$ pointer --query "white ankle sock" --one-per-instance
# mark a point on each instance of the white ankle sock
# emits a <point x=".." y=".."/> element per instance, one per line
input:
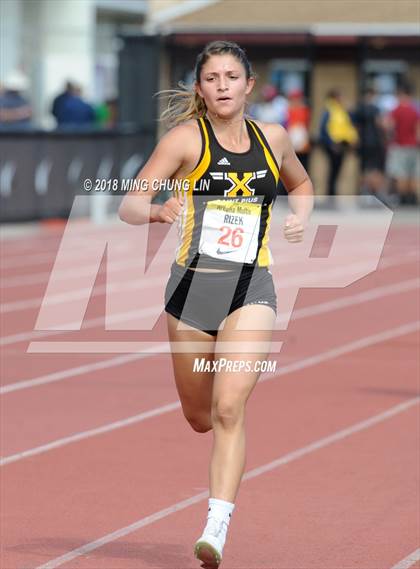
<point x="220" y="509"/>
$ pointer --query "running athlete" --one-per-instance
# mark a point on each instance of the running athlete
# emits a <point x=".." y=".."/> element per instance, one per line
<point x="221" y="268"/>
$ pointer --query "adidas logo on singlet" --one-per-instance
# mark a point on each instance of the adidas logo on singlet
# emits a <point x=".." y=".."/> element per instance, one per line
<point x="224" y="162"/>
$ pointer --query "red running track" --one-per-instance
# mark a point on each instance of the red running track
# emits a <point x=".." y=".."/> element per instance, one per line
<point x="348" y="499"/>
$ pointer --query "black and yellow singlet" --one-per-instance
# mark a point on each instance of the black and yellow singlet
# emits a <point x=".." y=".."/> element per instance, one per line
<point x="228" y="202"/>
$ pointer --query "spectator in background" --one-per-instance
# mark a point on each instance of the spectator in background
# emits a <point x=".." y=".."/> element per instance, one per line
<point x="371" y="148"/>
<point x="106" y="114"/>
<point x="15" y="110"/>
<point x="70" y="110"/>
<point x="101" y="114"/>
<point x="113" y="112"/>
<point x="298" y="120"/>
<point x="403" y="161"/>
<point x="272" y="108"/>
<point x="59" y="101"/>
<point x="337" y="135"/>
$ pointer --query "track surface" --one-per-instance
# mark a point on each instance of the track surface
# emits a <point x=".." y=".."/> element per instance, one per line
<point x="101" y="471"/>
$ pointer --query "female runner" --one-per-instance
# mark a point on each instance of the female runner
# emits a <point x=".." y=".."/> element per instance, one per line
<point x="220" y="272"/>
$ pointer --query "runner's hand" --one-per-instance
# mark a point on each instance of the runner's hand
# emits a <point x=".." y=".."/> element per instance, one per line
<point x="293" y="229"/>
<point x="171" y="209"/>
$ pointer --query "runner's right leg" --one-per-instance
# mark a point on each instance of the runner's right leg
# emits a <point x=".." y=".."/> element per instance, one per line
<point x="194" y="388"/>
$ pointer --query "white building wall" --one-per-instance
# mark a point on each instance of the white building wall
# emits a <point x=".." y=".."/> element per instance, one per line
<point x="11" y="31"/>
<point x="52" y="41"/>
<point x="60" y="46"/>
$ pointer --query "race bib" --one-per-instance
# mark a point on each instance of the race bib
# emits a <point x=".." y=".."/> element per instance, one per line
<point x="230" y="230"/>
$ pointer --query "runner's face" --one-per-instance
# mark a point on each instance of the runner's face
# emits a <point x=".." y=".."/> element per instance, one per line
<point x="223" y="85"/>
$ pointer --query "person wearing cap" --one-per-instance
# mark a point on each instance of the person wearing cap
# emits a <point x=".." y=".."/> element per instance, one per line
<point x="15" y="110"/>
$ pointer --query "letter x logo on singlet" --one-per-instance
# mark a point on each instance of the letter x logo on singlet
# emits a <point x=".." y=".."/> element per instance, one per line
<point x="238" y="184"/>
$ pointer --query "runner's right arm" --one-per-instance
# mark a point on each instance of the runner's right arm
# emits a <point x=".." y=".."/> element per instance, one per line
<point x="167" y="158"/>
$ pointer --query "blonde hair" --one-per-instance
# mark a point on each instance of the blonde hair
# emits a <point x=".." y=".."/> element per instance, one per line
<point x="182" y="105"/>
<point x="185" y="103"/>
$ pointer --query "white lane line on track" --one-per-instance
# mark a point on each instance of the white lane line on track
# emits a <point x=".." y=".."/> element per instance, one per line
<point x="307" y="362"/>
<point x="80" y="293"/>
<point x="41" y="254"/>
<point x="125" y="263"/>
<point x="33" y="242"/>
<point x="74" y="371"/>
<point x="349" y="300"/>
<point x="92" y="433"/>
<point x="125" y="346"/>
<point x="78" y="255"/>
<point x="281" y="461"/>
<point x="408" y="561"/>
<point x="132" y="315"/>
<point x="129" y="284"/>
<point x="49" y="240"/>
<point x="65" y="274"/>
<point x="358" y="298"/>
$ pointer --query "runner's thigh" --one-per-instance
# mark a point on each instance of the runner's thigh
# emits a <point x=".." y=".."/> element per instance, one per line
<point x="194" y="387"/>
<point x="234" y="388"/>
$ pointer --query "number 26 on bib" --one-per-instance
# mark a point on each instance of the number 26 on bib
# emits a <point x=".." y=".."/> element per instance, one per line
<point x="230" y="231"/>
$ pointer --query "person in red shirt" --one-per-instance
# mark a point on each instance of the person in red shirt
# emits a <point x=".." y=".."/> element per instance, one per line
<point x="298" y="126"/>
<point x="403" y="160"/>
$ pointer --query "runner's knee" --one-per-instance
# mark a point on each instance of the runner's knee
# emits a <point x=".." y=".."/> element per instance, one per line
<point x="199" y="423"/>
<point x="227" y="413"/>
